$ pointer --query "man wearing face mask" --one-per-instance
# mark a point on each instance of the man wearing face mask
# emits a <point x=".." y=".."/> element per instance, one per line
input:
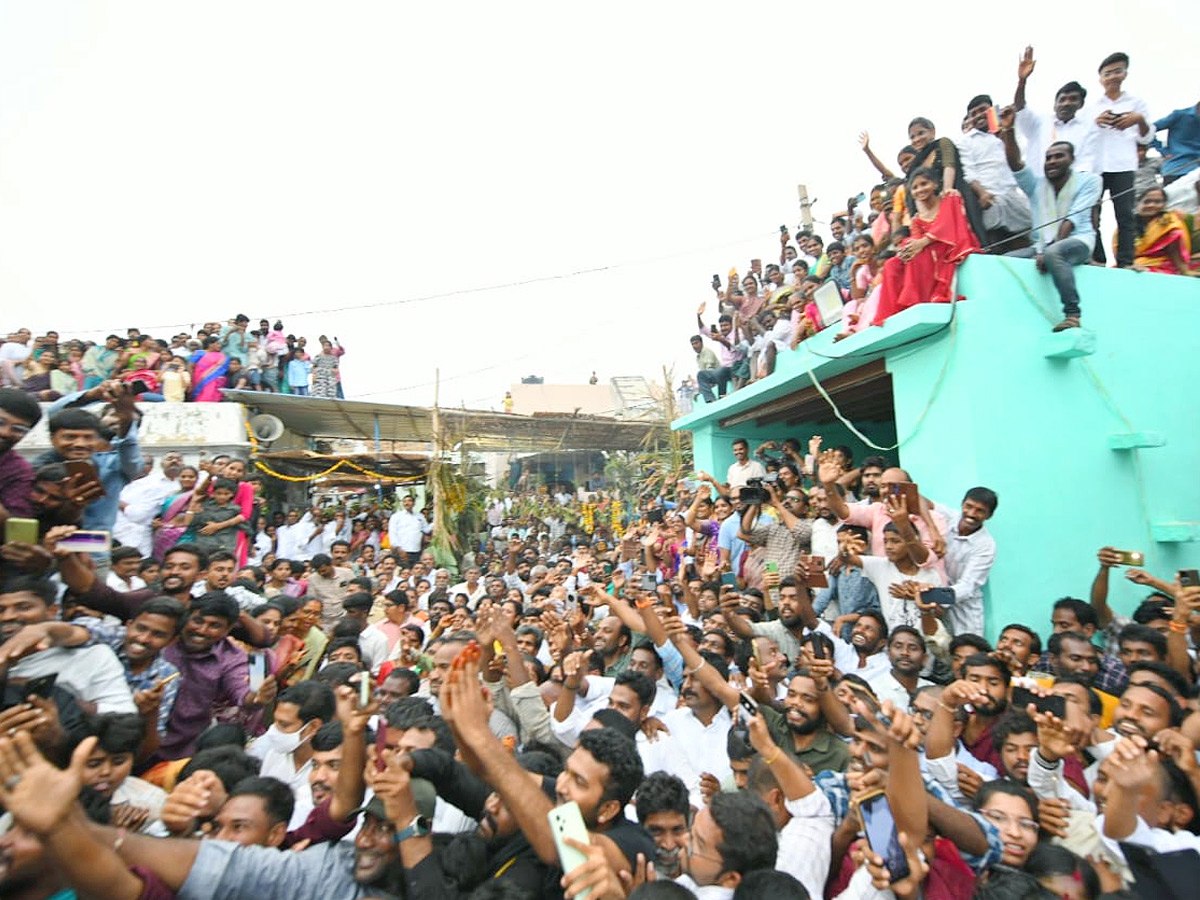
<point x="286" y="748"/>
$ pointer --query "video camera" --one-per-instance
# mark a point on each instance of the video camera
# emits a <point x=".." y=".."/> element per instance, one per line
<point x="753" y="491"/>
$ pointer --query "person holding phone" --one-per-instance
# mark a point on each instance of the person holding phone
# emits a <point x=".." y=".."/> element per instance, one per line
<point x="1122" y="122"/>
<point x="1005" y="207"/>
<point x="76" y="437"/>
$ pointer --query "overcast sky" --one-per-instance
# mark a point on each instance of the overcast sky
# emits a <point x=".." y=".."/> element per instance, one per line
<point x="163" y="163"/>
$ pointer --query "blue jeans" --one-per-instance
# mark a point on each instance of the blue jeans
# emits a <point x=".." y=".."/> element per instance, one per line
<point x="300" y="390"/>
<point x="707" y="379"/>
<point x="1061" y="259"/>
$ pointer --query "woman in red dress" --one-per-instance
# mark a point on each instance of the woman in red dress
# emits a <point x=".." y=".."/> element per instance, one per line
<point x="922" y="271"/>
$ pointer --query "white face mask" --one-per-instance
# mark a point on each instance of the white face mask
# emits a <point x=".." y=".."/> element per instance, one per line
<point x="282" y="742"/>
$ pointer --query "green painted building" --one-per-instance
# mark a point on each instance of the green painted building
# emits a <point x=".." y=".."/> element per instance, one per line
<point x="1089" y="436"/>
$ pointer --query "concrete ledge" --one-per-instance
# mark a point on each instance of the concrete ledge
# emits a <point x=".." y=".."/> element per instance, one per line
<point x="1175" y="532"/>
<point x="1135" y="440"/>
<point x="1069" y="344"/>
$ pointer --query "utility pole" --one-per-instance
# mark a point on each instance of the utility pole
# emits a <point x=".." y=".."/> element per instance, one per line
<point x="805" y="207"/>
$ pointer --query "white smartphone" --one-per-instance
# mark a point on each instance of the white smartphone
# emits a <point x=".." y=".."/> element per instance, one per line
<point x="258" y="670"/>
<point x="86" y="542"/>
<point x="566" y="821"/>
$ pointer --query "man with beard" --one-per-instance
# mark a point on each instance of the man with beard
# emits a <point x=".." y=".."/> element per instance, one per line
<point x="984" y="685"/>
<point x="970" y="553"/>
<point x="906" y="652"/>
<point x="142" y="500"/>
<point x="869" y="473"/>
<point x="18" y="414"/>
<point x="663" y="810"/>
<point x="1015" y="737"/>
<point x="801" y="730"/>
<point x="1146" y="709"/>
<point x="796" y="620"/>
<point x="824" y="523"/>
<point x="868" y="636"/>
<point x="612" y="641"/>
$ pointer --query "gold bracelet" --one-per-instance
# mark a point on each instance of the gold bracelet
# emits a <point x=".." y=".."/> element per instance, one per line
<point x="771" y="761"/>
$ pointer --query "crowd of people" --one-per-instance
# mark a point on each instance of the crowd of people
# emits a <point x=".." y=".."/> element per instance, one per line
<point x="188" y="367"/>
<point x="771" y="682"/>
<point x="1018" y="181"/>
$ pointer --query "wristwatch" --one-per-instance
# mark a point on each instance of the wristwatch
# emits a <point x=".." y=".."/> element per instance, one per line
<point x="418" y="827"/>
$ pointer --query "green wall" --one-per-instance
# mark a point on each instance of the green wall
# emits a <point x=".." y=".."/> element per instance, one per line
<point x="989" y="396"/>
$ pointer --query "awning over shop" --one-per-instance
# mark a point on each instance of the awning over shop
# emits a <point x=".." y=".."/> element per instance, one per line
<point x="479" y="430"/>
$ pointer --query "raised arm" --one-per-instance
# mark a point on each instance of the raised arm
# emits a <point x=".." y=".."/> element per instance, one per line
<point x="1012" y="153"/>
<point x="864" y="141"/>
<point x="349" y="788"/>
<point x="1024" y="70"/>
<point x="464" y="710"/>
<point x="1108" y="558"/>
<point x="695" y="665"/>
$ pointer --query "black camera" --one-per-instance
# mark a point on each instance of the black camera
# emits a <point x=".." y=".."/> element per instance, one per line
<point x="754" y="492"/>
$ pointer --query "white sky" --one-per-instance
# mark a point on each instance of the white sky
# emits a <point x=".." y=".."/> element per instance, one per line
<point x="167" y="163"/>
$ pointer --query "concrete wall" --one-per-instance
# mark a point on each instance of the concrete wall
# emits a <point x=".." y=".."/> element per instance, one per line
<point x="1035" y="416"/>
<point x="214" y="428"/>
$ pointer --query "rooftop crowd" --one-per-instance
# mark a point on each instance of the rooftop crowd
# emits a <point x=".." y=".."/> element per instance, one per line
<point x="188" y="367"/>
<point x="769" y="682"/>
<point x="1019" y="180"/>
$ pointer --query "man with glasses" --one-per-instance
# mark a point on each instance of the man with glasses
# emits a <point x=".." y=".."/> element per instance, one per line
<point x="18" y="414"/>
<point x="786" y="537"/>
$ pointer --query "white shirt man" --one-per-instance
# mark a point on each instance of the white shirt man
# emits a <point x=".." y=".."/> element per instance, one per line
<point x="984" y="163"/>
<point x="142" y="500"/>
<point x="93" y="674"/>
<point x="406" y="528"/>
<point x="969" y="560"/>
<point x="702" y="748"/>
<point x="1116" y="148"/>
<point x="742" y="470"/>
<point x="1040" y="131"/>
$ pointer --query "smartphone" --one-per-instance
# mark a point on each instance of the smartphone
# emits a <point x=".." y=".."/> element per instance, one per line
<point x="1022" y="697"/>
<point x="783" y="229"/>
<point x="649" y="582"/>
<point x="716" y="282"/>
<point x="364" y="689"/>
<point x="1187" y="577"/>
<point x="137" y="386"/>
<point x="728" y="578"/>
<point x="86" y="542"/>
<point x="815" y="570"/>
<point x="820" y="645"/>
<point x="748" y="704"/>
<point x="771" y="566"/>
<point x="87" y="471"/>
<point x="566" y="821"/>
<point x="258" y="670"/>
<point x="1131" y="558"/>
<point x="24" y="531"/>
<point x="42" y="686"/>
<point x="942" y="596"/>
<point x="993" y="120"/>
<point x="907" y="490"/>
<point x="880" y="828"/>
